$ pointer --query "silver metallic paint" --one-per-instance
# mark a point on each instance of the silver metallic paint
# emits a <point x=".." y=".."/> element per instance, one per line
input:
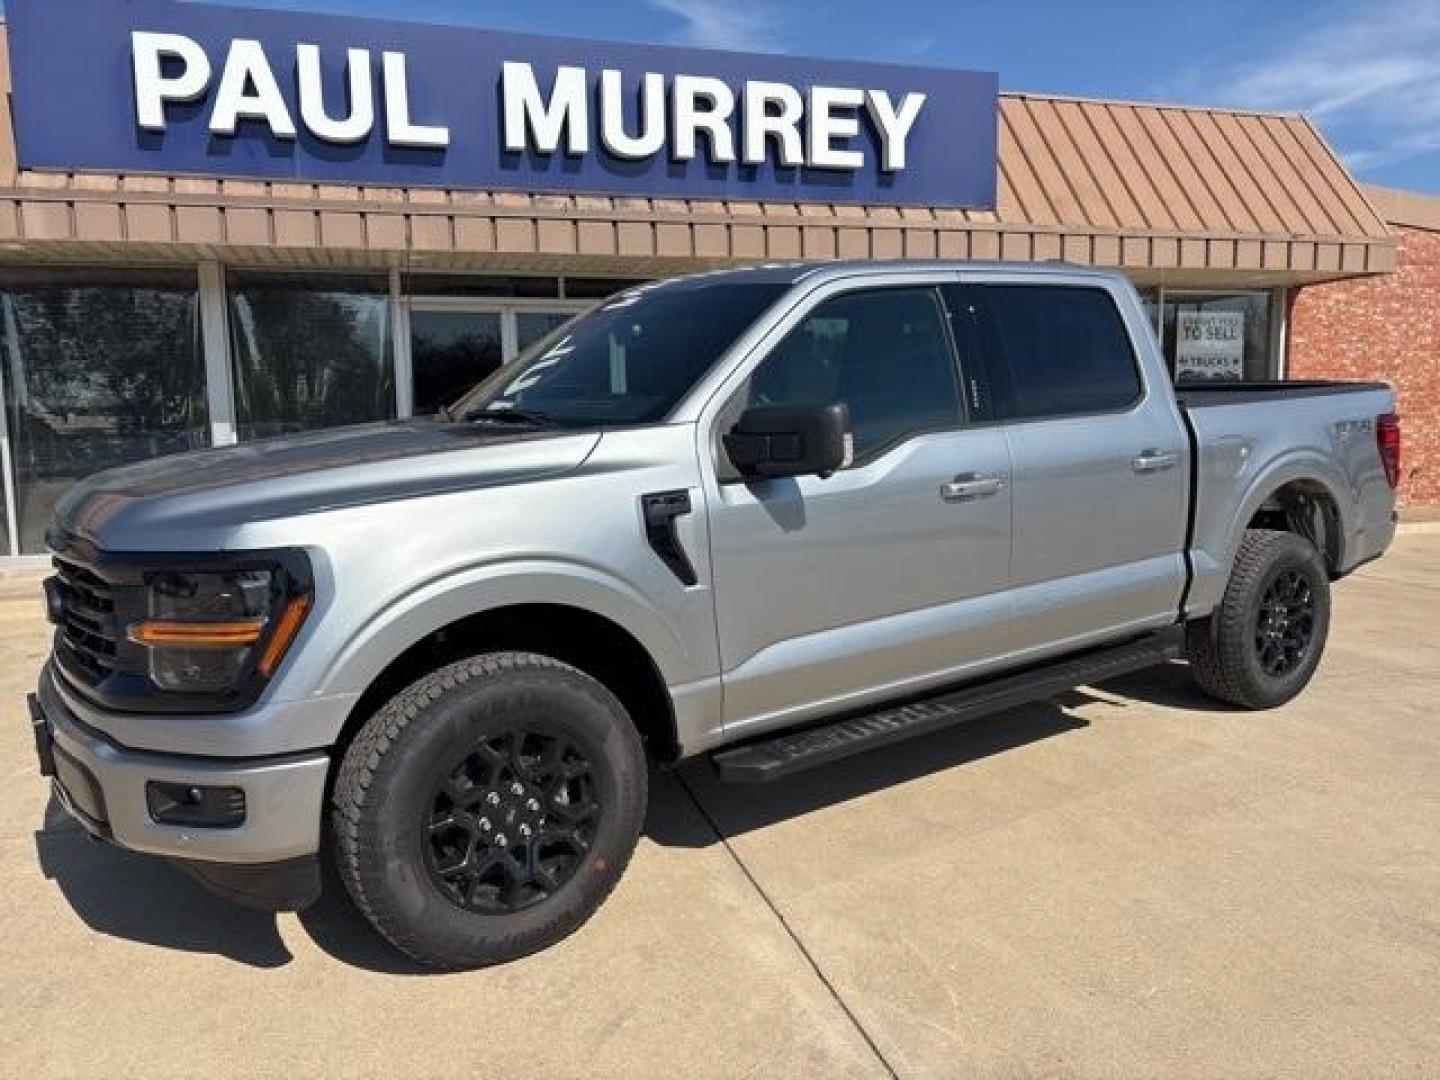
<point x="812" y="594"/>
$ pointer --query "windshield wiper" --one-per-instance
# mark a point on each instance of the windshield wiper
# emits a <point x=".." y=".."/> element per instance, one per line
<point x="514" y="416"/>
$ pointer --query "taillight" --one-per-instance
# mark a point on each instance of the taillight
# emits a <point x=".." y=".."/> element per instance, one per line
<point x="1387" y="438"/>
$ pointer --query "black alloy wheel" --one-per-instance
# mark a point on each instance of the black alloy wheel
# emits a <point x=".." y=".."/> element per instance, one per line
<point x="1263" y="641"/>
<point x="488" y="810"/>
<point x="510" y="823"/>
<point x="1285" y="626"/>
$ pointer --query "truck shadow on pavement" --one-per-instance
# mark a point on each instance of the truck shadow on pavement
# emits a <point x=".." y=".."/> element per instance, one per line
<point x="1169" y="686"/>
<point x="732" y="809"/>
<point x="145" y="899"/>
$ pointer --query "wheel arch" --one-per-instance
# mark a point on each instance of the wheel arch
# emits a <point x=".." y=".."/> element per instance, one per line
<point x="573" y="614"/>
<point x="1308" y="507"/>
<point x="1300" y="492"/>
<point x="592" y="643"/>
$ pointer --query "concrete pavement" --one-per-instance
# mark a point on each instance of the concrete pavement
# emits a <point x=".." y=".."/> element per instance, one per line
<point x="1126" y="882"/>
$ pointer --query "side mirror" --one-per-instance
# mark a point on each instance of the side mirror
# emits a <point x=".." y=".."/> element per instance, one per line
<point x="785" y="440"/>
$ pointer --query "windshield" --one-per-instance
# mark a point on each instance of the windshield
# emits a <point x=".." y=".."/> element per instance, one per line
<point x="628" y="361"/>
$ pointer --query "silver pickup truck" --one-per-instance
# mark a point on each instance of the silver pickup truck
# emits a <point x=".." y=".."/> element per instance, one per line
<point x="775" y="516"/>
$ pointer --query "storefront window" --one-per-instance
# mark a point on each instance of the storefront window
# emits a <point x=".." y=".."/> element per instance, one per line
<point x="531" y="326"/>
<point x="101" y="369"/>
<point x="450" y="352"/>
<point x="310" y="351"/>
<point x="5" y="548"/>
<point x="1217" y="335"/>
<point x="1150" y="297"/>
<point x="597" y="288"/>
<point x="481" y="285"/>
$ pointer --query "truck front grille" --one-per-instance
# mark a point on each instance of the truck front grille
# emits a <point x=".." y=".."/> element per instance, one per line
<point x="87" y="635"/>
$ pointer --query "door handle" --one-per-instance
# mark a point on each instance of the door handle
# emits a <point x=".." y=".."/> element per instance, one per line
<point x="968" y="486"/>
<point x="1155" y="461"/>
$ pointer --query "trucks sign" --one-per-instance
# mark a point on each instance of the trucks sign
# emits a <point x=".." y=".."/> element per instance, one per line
<point x="1210" y="344"/>
<point x="182" y="88"/>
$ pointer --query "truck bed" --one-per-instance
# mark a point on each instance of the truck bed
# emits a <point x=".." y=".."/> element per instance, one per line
<point x="1245" y="449"/>
<point x="1200" y="395"/>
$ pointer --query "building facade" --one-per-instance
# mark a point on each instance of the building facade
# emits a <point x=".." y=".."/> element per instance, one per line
<point x="149" y="312"/>
<point x="1385" y="326"/>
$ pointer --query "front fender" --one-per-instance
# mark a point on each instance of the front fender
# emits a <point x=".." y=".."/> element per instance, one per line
<point x="440" y="602"/>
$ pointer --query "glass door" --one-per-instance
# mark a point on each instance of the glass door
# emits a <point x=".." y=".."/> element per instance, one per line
<point x="457" y="342"/>
<point x="450" y="351"/>
<point x="531" y="326"/>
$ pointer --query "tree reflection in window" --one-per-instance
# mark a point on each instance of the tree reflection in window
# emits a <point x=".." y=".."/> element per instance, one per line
<point x="310" y="351"/>
<point x="101" y="369"/>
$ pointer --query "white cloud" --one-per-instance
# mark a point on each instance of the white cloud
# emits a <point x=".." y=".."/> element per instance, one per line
<point x="1369" y="73"/>
<point x="723" y="24"/>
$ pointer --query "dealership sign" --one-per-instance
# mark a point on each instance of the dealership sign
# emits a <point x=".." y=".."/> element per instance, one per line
<point x="183" y="88"/>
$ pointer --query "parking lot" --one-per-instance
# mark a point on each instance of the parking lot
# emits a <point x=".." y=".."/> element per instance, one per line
<point x="1127" y="881"/>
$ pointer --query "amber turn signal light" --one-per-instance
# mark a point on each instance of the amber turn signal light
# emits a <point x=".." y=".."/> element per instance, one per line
<point x="286" y="628"/>
<point x="198" y="635"/>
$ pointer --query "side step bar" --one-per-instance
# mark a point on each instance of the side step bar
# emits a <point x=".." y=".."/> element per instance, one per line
<point x="778" y="756"/>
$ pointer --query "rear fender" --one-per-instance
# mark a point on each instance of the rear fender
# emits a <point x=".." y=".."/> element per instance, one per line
<point x="1217" y="545"/>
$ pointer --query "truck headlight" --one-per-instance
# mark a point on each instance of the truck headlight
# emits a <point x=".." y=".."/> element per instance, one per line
<point x="207" y="631"/>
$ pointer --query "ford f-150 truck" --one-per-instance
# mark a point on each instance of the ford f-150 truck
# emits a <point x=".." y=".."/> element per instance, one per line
<point x="774" y="516"/>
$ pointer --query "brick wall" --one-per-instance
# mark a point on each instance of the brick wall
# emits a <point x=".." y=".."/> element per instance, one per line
<point x="1385" y="327"/>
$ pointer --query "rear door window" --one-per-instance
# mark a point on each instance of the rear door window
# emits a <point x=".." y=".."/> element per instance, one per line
<point x="1055" y="350"/>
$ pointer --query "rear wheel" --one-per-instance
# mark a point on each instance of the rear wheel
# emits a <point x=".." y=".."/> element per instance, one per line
<point x="1263" y="643"/>
<point x="487" y="811"/>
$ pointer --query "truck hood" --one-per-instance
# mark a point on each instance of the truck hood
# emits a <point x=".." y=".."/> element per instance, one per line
<point x="178" y="503"/>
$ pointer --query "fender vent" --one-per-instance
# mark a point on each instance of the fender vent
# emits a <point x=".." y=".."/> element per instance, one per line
<point x="661" y="510"/>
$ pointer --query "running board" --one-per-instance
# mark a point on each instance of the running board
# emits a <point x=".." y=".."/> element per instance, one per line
<point x="778" y="756"/>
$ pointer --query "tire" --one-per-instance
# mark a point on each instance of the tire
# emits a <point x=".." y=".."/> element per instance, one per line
<point x="1249" y="651"/>
<point x="504" y="743"/>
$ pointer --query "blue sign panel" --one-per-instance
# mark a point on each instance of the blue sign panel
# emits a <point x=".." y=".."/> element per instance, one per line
<point x="182" y="88"/>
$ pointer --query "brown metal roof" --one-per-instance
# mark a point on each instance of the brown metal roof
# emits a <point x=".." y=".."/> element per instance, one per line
<point x="1412" y="209"/>
<point x="1174" y="169"/>
<point x="1168" y="192"/>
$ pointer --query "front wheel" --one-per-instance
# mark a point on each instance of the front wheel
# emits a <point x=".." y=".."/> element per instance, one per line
<point x="487" y="811"/>
<point x="1263" y="643"/>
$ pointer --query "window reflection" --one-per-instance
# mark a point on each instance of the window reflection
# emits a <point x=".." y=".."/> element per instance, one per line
<point x="101" y="369"/>
<point x="451" y="352"/>
<point x="5" y="548"/>
<point x="310" y="351"/>
<point x="531" y="326"/>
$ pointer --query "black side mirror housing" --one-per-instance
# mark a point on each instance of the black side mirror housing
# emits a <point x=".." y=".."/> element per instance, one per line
<point x="789" y="440"/>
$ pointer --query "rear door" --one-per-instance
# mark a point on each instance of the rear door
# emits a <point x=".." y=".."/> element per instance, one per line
<point x="887" y="575"/>
<point x="1099" y="462"/>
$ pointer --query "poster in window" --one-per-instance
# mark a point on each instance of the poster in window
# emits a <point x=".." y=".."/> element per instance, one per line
<point x="1210" y="345"/>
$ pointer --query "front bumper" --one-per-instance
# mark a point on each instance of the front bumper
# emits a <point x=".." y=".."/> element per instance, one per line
<point x="103" y="786"/>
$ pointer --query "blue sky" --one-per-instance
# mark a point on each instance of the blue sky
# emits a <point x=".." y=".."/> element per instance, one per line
<point x="1368" y="71"/>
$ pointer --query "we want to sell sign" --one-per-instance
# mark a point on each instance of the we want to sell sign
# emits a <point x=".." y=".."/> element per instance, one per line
<point x="1210" y="345"/>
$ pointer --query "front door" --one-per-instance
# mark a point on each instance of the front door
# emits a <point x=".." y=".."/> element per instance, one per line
<point x="888" y="575"/>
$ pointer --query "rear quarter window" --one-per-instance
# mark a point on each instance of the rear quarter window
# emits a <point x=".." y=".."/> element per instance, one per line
<point x="1058" y="350"/>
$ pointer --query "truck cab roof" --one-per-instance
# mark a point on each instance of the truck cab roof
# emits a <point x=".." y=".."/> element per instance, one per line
<point x="815" y="271"/>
